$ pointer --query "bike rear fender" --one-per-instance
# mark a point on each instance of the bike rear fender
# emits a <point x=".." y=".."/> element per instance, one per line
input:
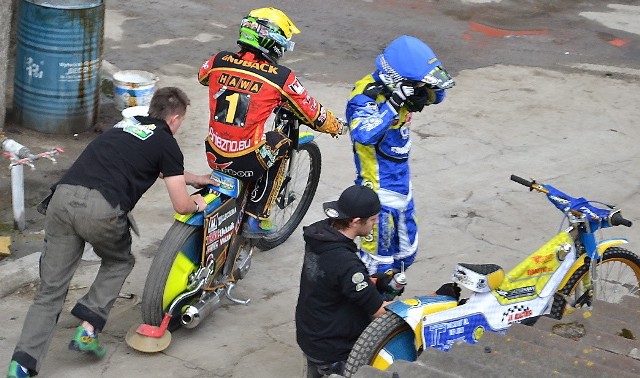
<point x="413" y="310"/>
<point x="602" y="246"/>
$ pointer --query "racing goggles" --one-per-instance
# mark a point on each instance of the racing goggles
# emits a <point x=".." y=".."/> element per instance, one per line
<point x="268" y="29"/>
<point x="438" y="78"/>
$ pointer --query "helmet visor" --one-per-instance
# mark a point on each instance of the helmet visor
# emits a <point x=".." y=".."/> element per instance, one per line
<point x="268" y="29"/>
<point x="439" y="78"/>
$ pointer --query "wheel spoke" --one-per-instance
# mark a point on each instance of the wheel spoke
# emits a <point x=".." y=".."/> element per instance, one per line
<point x="614" y="280"/>
<point x="296" y="196"/>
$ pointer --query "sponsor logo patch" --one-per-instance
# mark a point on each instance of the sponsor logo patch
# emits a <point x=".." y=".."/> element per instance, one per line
<point x="357" y="278"/>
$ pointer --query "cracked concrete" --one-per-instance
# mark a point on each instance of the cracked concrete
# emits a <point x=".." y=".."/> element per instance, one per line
<point x="565" y="124"/>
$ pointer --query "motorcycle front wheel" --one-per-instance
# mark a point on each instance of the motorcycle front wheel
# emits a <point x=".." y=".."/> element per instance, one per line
<point x="296" y="195"/>
<point x="178" y="256"/>
<point x="617" y="275"/>
<point x="387" y="338"/>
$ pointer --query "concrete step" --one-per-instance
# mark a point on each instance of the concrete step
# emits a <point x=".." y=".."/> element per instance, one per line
<point x="404" y="369"/>
<point x="628" y="312"/>
<point x="600" y="320"/>
<point x="493" y="356"/>
<point x="545" y="361"/>
<point x="587" y="348"/>
<point x="457" y="361"/>
<point x="630" y="301"/>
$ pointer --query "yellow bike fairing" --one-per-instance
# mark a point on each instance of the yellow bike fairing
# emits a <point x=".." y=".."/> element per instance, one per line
<point x="528" y="278"/>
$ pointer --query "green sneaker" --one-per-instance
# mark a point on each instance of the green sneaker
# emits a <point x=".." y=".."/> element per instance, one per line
<point x="82" y="342"/>
<point x="15" y="371"/>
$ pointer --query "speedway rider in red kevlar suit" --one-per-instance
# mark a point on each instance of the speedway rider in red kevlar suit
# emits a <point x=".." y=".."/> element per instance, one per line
<point x="244" y="89"/>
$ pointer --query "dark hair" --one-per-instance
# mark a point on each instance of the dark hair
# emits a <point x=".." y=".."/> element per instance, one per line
<point x="167" y="101"/>
<point x="343" y="224"/>
<point x="340" y="224"/>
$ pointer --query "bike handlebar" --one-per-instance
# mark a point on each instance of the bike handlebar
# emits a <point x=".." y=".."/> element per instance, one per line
<point x="521" y="181"/>
<point x="529" y="184"/>
<point x="615" y="219"/>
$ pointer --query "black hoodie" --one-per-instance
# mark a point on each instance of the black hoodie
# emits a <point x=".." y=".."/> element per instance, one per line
<point x="336" y="298"/>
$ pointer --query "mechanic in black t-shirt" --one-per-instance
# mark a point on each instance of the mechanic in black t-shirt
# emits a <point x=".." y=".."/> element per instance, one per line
<point x="91" y="203"/>
<point x="337" y="299"/>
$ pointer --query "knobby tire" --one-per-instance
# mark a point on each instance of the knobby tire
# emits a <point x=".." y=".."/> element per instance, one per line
<point x="373" y="339"/>
<point x="177" y="238"/>
<point x="612" y="255"/>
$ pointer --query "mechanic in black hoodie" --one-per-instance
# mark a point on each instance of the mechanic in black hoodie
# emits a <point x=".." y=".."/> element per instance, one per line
<point x="337" y="298"/>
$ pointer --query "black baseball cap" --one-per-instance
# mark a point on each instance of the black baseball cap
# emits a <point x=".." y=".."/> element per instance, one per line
<point x="355" y="202"/>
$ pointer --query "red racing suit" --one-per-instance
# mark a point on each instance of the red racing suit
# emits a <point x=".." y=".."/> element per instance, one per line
<point x="244" y="89"/>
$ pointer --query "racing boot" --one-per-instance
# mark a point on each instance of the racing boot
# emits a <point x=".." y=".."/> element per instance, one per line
<point x="255" y="228"/>
<point x="83" y="342"/>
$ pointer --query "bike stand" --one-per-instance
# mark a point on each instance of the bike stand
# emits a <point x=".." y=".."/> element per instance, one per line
<point x="227" y="294"/>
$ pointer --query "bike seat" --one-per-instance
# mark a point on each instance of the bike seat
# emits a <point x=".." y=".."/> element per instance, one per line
<point x="481" y="278"/>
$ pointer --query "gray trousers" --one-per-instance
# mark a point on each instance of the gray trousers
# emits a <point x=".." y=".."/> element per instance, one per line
<point x="75" y="215"/>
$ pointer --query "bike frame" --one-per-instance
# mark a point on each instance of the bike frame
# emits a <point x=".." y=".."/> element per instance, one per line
<point x="526" y="292"/>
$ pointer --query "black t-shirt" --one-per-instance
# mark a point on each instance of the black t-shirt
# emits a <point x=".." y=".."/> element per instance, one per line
<point x="336" y="297"/>
<point x="126" y="160"/>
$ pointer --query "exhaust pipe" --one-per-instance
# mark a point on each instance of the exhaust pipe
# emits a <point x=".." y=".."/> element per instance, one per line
<point x="192" y="316"/>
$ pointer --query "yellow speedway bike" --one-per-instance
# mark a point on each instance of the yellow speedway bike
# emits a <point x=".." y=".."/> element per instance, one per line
<point x="203" y="255"/>
<point x="569" y="271"/>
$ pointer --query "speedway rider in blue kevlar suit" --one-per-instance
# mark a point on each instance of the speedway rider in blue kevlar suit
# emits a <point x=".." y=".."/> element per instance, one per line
<point x="407" y="78"/>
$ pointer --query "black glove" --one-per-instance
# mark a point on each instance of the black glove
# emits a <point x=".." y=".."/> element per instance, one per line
<point x="382" y="281"/>
<point x="450" y="289"/>
<point x="400" y="94"/>
<point x="382" y="284"/>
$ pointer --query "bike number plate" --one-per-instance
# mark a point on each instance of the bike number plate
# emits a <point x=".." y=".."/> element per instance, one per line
<point x="220" y="226"/>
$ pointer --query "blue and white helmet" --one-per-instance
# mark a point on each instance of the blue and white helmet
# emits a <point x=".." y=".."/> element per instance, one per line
<point x="408" y="58"/>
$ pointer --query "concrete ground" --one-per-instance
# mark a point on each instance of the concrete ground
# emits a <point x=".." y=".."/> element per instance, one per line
<point x="572" y="125"/>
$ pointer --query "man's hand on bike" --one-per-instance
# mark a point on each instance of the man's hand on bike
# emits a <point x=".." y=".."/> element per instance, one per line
<point x="450" y="289"/>
<point x="383" y="284"/>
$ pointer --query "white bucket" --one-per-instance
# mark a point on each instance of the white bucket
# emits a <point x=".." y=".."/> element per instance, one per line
<point x="137" y="110"/>
<point x="133" y="88"/>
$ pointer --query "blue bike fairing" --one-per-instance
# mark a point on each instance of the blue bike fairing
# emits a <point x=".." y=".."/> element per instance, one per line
<point x="444" y="335"/>
<point x="598" y="218"/>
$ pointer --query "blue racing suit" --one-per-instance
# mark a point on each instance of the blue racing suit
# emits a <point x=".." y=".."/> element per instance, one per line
<point x="381" y="145"/>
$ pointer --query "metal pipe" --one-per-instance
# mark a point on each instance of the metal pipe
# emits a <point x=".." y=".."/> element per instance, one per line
<point x="19" y="156"/>
<point x="17" y="180"/>
<point x="17" y="149"/>
<point x="192" y="316"/>
<point x="17" y="196"/>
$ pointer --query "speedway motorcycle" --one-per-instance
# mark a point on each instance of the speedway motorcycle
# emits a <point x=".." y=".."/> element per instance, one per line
<point x="567" y="272"/>
<point x="203" y="255"/>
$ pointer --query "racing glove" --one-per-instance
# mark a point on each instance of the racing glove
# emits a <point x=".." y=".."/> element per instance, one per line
<point x="383" y="284"/>
<point x="400" y="94"/>
<point x="450" y="289"/>
<point x="329" y="124"/>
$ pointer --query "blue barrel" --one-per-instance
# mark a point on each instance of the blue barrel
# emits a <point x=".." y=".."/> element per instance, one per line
<point x="57" y="70"/>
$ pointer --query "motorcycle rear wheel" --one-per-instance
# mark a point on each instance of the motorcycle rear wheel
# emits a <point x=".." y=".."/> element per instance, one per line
<point x="178" y="256"/>
<point x="618" y="271"/>
<point x="296" y="197"/>
<point x="386" y="339"/>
